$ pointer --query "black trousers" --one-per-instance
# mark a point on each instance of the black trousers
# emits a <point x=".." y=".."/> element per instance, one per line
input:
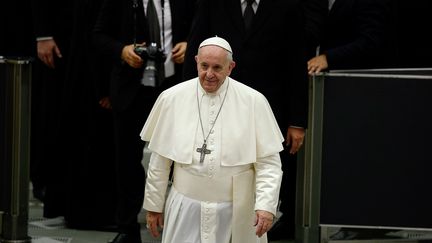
<point x="130" y="173"/>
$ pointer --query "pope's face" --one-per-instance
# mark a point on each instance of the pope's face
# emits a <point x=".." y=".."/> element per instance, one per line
<point x="213" y="67"/>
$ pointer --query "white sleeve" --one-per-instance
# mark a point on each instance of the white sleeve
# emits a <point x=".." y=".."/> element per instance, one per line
<point x="268" y="180"/>
<point x="156" y="183"/>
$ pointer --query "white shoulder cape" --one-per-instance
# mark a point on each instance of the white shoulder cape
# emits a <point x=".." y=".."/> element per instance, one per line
<point x="249" y="128"/>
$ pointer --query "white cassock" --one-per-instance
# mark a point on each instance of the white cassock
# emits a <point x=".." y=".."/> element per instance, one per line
<point x="213" y="201"/>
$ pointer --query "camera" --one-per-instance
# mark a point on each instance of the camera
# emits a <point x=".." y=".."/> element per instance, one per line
<point x="154" y="59"/>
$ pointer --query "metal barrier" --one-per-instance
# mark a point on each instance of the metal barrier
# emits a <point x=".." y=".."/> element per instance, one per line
<point x="15" y="86"/>
<point x="341" y="167"/>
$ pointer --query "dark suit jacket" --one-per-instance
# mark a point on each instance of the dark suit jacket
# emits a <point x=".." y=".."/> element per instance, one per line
<point x="315" y="12"/>
<point x="53" y="18"/>
<point x="115" y="28"/>
<point x="358" y="34"/>
<point x="269" y="58"/>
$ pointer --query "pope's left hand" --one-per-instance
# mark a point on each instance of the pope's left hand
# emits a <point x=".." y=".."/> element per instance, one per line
<point x="263" y="222"/>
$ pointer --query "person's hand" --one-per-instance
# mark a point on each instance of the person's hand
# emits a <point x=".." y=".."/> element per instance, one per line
<point x="295" y="137"/>
<point x="46" y="49"/>
<point x="105" y="103"/>
<point x="154" y="220"/>
<point x="263" y="222"/>
<point x="178" y="52"/>
<point x="130" y="57"/>
<point x="317" y="64"/>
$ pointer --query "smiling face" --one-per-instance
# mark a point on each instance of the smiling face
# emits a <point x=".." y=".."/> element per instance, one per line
<point x="214" y="64"/>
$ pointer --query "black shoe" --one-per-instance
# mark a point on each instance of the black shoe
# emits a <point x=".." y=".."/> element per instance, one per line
<point x="39" y="193"/>
<point x="126" y="238"/>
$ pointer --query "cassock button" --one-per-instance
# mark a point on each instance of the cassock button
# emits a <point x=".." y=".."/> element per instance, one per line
<point x="212" y="131"/>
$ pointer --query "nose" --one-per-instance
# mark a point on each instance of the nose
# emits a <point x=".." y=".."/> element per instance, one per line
<point x="210" y="73"/>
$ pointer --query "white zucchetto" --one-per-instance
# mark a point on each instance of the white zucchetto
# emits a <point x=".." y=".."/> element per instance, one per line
<point x="216" y="41"/>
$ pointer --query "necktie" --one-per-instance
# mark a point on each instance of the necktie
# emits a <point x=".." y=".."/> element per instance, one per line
<point x="153" y="21"/>
<point x="248" y="14"/>
<point x="154" y="72"/>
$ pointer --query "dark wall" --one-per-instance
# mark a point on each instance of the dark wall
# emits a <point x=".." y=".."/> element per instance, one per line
<point x="413" y="32"/>
<point x="16" y="29"/>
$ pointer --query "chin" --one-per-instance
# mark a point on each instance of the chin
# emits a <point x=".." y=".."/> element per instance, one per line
<point x="210" y="89"/>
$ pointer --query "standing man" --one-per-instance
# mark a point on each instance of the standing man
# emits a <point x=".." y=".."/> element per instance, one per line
<point x="52" y="25"/>
<point x="358" y="34"/>
<point x="267" y="62"/>
<point x="225" y="143"/>
<point x="122" y="26"/>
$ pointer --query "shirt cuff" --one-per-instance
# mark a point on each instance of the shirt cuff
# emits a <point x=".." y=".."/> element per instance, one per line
<point x="44" y="38"/>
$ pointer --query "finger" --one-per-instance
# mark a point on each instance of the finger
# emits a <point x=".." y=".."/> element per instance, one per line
<point x="153" y="229"/>
<point x="49" y="61"/>
<point x="294" y="148"/>
<point x="58" y="52"/>
<point x="260" y="229"/>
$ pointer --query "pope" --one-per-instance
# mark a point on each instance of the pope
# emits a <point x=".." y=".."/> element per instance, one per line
<point x="223" y="142"/>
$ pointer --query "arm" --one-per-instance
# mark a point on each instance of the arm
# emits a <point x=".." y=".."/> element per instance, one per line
<point x="44" y="27"/>
<point x="155" y="191"/>
<point x="366" y="38"/>
<point x="315" y="14"/>
<point x="268" y="180"/>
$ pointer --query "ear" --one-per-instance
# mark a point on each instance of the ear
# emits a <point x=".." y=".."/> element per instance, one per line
<point x="232" y="66"/>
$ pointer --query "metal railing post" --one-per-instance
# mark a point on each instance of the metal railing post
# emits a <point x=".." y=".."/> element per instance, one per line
<point x="15" y="87"/>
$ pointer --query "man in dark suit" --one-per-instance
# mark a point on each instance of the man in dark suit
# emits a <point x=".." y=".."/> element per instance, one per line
<point x="87" y="120"/>
<point x="357" y="35"/>
<point x="121" y="24"/>
<point x="52" y="28"/>
<point x="268" y="62"/>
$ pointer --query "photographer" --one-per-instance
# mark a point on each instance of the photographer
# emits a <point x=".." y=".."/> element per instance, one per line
<point x="121" y="32"/>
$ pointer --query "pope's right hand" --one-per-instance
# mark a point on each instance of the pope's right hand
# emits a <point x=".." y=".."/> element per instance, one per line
<point x="154" y="220"/>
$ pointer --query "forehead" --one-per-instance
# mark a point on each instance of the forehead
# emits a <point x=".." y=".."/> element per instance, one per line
<point x="212" y="50"/>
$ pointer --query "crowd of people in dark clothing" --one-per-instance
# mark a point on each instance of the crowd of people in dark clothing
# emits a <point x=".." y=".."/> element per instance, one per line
<point x="89" y="103"/>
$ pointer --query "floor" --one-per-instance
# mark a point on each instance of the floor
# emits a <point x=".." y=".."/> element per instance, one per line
<point x="44" y="230"/>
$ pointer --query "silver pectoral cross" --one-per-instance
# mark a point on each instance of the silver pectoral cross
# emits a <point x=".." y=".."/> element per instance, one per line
<point x="203" y="151"/>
